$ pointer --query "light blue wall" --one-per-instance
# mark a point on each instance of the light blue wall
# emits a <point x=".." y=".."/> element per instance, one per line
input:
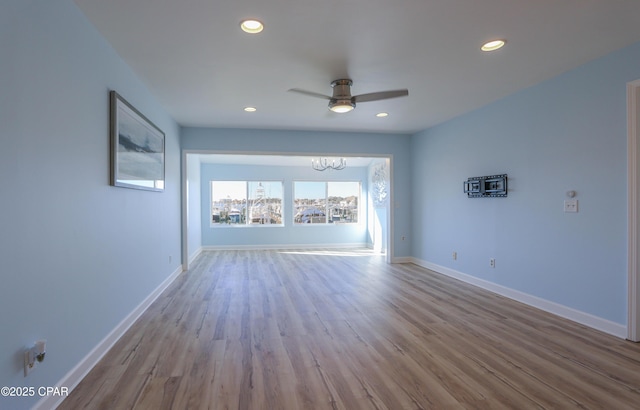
<point x="308" y="142"/>
<point x="78" y="255"/>
<point x="289" y="234"/>
<point x="568" y="133"/>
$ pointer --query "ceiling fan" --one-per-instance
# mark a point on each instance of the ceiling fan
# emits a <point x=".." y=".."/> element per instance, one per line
<point x="342" y="101"/>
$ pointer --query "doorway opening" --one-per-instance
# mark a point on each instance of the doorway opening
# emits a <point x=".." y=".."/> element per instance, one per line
<point x="375" y="175"/>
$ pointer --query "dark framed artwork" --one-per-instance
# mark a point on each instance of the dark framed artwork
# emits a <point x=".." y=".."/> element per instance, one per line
<point x="137" y="148"/>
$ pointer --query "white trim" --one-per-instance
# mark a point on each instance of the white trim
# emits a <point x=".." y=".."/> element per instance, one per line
<point x="184" y="217"/>
<point x="557" y="309"/>
<point x="75" y="375"/>
<point x="633" y="181"/>
<point x="195" y="255"/>
<point x="293" y="246"/>
<point x="403" y="259"/>
<point x="390" y="212"/>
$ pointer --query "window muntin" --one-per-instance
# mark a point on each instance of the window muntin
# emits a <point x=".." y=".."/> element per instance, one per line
<point x="320" y="202"/>
<point x="246" y="203"/>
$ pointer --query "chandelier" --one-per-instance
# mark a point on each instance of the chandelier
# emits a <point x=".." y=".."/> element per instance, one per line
<point x="321" y="164"/>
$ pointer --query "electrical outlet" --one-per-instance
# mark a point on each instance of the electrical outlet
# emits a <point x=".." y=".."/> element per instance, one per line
<point x="28" y="365"/>
<point x="34" y="355"/>
<point x="454" y="255"/>
<point x="492" y="262"/>
<point x="571" y="205"/>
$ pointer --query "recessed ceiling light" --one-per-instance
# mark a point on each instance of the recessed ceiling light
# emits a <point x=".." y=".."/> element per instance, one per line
<point x="382" y="114"/>
<point x="251" y="26"/>
<point x="493" y="45"/>
<point x="250" y="109"/>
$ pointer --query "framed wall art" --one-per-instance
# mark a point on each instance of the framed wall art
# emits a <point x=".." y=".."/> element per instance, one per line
<point x="137" y="148"/>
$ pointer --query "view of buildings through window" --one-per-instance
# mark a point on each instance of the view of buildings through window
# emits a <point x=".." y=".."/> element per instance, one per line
<point x="326" y="202"/>
<point x="260" y="202"/>
<point x="246" y="202"/>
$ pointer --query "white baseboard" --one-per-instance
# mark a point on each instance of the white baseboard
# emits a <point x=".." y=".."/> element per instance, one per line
<point x="195" y="255"/>
<point x="291" y="246"/>
<point x="75" y="375"/>
<point x="557" y="309"/>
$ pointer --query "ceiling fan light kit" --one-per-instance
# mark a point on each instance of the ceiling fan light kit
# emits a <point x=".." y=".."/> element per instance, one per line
<point x="341" y="106"/>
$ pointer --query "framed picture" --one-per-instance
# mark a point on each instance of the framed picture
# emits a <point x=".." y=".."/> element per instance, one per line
<point x="137" y="148"/>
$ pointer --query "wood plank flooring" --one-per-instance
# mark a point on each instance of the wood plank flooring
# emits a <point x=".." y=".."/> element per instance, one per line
<point x="333" y="329"/>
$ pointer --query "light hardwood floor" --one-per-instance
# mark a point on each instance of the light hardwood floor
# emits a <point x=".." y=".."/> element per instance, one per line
<point x="344" y="330"/>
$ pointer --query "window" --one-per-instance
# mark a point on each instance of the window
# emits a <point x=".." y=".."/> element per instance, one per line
<point x="310" y="202"/>
<point x="326" y="202"/>
<point x="246" y="203"/>
<point x="342" y="201"/>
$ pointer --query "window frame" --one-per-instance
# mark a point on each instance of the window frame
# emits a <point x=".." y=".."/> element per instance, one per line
<point x="246" y="202"/>
<point x="327" y="210"/>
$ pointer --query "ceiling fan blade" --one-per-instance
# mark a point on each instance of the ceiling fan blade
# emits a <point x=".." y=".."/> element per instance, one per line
<point x="310" y="93"/>
<point x="381" y="95"/>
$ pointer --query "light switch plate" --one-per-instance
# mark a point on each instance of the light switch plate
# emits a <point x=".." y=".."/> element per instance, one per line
<point x="571" y="205"/>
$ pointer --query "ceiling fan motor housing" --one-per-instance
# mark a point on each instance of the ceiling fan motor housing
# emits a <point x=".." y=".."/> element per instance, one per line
<point x="342" y="89"/>
<point x="342" y="101"/>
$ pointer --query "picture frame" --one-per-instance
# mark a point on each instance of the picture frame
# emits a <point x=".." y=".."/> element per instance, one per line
<point x="137" y="148"/>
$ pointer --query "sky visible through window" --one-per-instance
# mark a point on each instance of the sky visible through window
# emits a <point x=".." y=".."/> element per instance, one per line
<point x="238" y="190"/>
<point x="271" y="190"/>
<point x="315" y="190"/>
<point x="229" y="189"/>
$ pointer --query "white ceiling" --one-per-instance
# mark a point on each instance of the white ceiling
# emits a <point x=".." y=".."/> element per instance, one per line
<point x="204" y="70"/>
